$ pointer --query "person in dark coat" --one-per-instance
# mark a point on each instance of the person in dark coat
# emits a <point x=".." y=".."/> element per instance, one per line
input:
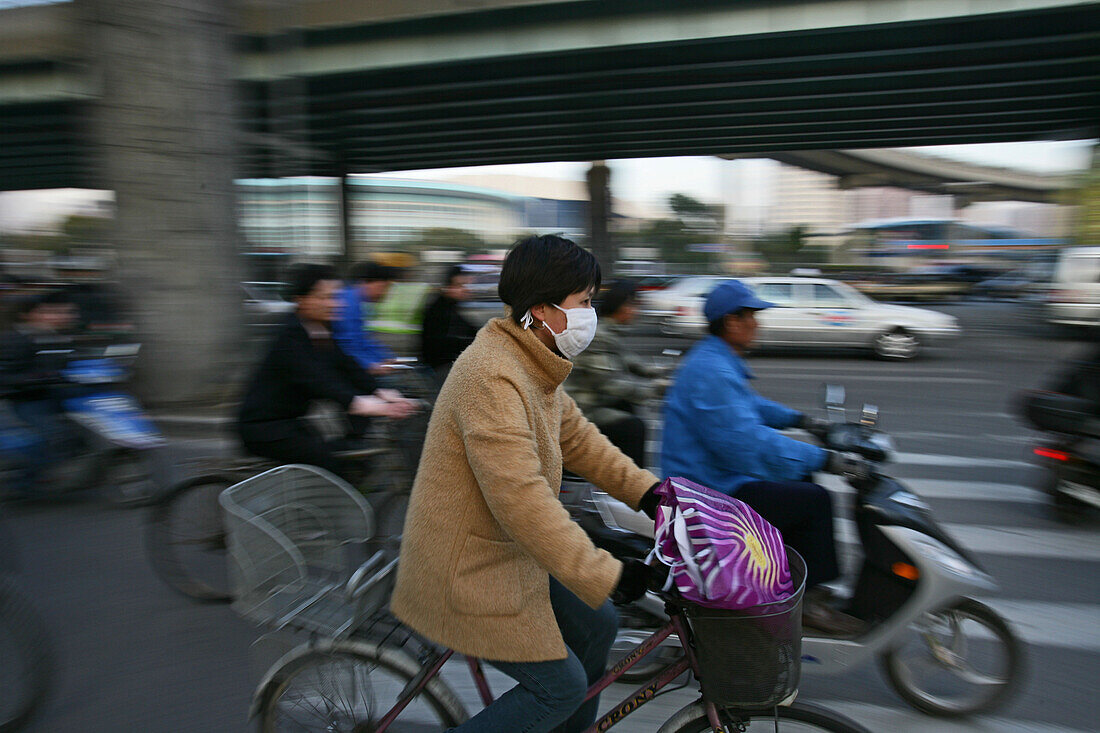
<point x="303" y="365"/>
<point x="32" y="355"/>
<point x="446" y="332"/>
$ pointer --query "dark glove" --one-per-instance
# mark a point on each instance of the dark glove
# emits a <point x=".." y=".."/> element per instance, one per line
<point x="649" y="502"/>
<point x="850" y="465"/>
<point x="636" y="579"/>
<point x="660" y="386"/>
<point x="813" y="425"/>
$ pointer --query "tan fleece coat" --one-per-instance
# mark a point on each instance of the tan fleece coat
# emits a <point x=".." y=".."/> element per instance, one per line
<point x="485" y="529"/>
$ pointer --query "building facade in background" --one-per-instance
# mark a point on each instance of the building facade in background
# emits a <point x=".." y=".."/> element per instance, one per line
<point x="302" y="215"/>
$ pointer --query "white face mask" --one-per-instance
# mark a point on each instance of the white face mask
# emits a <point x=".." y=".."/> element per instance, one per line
<point x="580" y="329"/>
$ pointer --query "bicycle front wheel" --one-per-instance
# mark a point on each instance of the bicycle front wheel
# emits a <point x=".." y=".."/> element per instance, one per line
<point x="185" y="539"/>
<point x="349" y="687"/>
<point x="797" y="718"/>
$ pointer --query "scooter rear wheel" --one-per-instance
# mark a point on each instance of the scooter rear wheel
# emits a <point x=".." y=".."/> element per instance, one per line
<point x="950" y="650"/>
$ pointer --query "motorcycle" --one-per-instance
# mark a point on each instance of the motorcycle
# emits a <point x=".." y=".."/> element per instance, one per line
<point x="943" y="652"/>
<point x="1071" y="454"/>
<point x="110" y="443"/>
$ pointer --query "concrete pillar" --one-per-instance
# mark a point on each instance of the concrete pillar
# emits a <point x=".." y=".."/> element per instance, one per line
<point x="346" y="258"/>
<point x="599" y="214"/>
<point x="165" y="136"/>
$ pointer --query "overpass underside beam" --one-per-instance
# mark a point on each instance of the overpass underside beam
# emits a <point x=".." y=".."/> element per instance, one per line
<point x="995" y="77"/>
<point x="1008" y="77"/>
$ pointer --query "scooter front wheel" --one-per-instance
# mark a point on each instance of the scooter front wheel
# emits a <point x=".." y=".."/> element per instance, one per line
<point x="956" y="661"/>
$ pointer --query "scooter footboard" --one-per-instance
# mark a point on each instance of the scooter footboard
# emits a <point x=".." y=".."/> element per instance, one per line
<point x="880" y="591"/>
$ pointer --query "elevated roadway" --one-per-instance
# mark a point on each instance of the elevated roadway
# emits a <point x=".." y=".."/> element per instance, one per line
<point x="966" y="181"/>
<point x="332" y="87"/>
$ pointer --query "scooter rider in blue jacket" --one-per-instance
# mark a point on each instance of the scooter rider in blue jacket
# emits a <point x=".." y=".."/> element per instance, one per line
<point x="718" y="432"/>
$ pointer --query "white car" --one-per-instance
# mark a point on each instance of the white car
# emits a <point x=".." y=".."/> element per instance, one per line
<point x="659" y="305"/>
<point x="819" y="312"/>
<point x="1074" y="298"/>
<point x="264" y="305"/>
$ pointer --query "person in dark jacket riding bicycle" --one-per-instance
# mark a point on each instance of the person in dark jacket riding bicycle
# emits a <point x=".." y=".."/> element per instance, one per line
<point x="446" y="332"/>
<point x="32" y="356"/>
<point x="303" y="365"/>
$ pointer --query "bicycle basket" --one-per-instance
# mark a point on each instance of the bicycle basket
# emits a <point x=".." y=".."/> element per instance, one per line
<point x="286" y="531"/>
<point x="750" y="657"/>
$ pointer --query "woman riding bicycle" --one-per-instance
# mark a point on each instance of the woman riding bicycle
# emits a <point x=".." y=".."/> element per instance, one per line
<point x="491" y="564"/>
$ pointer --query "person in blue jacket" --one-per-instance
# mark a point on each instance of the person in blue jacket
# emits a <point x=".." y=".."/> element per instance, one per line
<point x="719" y="433"/>
<point x="368" y="285"/>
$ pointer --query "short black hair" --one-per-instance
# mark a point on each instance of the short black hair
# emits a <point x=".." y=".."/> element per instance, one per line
<point x="546" y="269"/>
<point x="452" y="272"/>
<point x="718" y="325"/>
<point x="370" y="271"/>
<point x="303" y="277"/>
<point x="25" y="305"/>
<point x="615" y="297"/>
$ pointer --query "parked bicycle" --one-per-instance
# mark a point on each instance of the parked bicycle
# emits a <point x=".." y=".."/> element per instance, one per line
<point x="184" y="536"/>
<point x="362" y="671"/>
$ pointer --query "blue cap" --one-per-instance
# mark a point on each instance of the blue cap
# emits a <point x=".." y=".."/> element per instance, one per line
<point x="729" y="297"/>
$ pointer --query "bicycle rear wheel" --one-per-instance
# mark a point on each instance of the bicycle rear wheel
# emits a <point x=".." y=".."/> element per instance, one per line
<point x="797" y="718"/>
<point x="350" y="686"/>
<point x="185" y="539"/>
<point x="27" y="659"/>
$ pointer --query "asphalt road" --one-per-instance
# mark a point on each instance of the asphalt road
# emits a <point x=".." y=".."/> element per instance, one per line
<point x="136" y="657"/>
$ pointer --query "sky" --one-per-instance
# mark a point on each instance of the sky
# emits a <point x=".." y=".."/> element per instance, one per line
<point x="649" y="180"/>
<point x="646" y="181"/>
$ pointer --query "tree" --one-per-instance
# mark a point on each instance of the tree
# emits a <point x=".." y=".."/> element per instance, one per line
<point x="447" y="238"/>
<point x="694" y="222"/>
<point x="79" y="229"/>
<point x="789" y="247"/>
<point x="697" y="216"/>
<point x="1088" y="202"/>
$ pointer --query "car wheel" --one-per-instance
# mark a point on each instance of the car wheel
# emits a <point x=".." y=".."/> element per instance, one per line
<point x="896" y="345"/>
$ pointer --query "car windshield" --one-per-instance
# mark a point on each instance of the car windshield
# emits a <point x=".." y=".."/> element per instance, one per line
<point x="851" y="294"/>
<point x="263" y="291"/>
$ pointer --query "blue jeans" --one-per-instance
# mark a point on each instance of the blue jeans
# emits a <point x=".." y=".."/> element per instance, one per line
<point x="549" y="696"/>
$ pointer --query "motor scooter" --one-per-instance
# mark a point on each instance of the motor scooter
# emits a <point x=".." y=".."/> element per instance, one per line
<point x="1071" y="453"/>
<point x="944" y="653"/>
<point x="110" y="444"/>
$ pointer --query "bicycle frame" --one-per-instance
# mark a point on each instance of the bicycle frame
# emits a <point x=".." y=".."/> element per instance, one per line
<point x="639" y="697"/>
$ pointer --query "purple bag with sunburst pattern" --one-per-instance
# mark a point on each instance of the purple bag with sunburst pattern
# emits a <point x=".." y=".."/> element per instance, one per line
<point x="720" y="552"/>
